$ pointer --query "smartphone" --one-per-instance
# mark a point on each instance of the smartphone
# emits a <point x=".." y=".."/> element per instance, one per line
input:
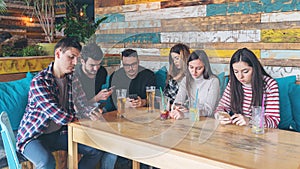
<point x="180" y="105"/>
<point x="109" y="89"/>
<point x="93" y="110"/>
<point x="96" y="108"/>
<point x="133" y="96"/>
<point x="101" y="105"/>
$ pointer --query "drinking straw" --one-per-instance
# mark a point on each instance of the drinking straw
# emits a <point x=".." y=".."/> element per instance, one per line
<point x="162" y="98"/>
<point x="262" y="111"/>
<point x="196" y="100"/>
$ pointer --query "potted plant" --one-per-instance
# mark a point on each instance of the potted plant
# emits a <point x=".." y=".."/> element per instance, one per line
<point x="78" y="25"/>
<point x="44" y="10"/>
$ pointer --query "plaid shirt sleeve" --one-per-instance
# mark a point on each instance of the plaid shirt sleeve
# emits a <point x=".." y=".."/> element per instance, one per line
<point x="171" y="89"/>
<point x="46" y="102"/>
<point x="81" y="104"/>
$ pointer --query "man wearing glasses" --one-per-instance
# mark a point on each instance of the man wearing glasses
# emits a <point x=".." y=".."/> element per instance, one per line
<point x="132" y="77"/>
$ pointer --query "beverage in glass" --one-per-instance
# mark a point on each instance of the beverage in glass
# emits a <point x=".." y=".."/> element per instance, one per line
<point x="121" y="100"/>
<point x="193" y="110"/>
<point x="164" y="106"/>
<point x="150" y="95"/>
<point x="258" y="120"/>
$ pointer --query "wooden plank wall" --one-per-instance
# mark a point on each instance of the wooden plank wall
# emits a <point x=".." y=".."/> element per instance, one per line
<point x="16" y="21"/>
<point x="270" y="28"/>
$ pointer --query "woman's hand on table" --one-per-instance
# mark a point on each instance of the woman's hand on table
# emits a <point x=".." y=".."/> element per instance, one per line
<point x="237" y="119"/>
<point x="177" y="112"/>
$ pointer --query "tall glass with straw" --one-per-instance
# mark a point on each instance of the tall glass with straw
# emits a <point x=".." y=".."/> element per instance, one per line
<point x="164" y="112"/>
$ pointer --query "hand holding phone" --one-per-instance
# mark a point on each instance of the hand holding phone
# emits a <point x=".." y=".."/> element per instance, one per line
<point x="224" y="115"/>
<point x="101" y="105"/>
<point x="133" y="96"/>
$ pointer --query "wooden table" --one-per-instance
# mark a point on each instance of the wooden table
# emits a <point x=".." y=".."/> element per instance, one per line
<point x="171" y="144"/>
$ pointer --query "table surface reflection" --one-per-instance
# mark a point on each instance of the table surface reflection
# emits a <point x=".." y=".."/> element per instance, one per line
<point x="143" y="137"/>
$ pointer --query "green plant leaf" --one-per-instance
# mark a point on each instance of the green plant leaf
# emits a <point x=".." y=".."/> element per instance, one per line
<point x="2" y="6"/>
<point x="78" y="26"/>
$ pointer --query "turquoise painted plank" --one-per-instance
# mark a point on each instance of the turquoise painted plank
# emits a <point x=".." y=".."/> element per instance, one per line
<point x="129" y="38"/>
<point x="262" y="6"/>
<point x="115" y="17"/>
<point x="133" y="24"/>
<point x="280" y="54"/>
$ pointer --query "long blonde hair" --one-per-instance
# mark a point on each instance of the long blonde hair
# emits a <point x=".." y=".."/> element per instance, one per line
<point x="184" y="52"/>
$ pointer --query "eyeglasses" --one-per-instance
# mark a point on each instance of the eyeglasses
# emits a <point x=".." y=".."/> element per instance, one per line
<point x="130" y="65"/>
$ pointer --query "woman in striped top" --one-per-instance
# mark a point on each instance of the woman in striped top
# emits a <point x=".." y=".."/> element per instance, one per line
<point x="248" y="84"/>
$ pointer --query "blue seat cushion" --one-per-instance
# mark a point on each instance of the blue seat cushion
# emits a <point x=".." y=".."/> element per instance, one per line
<point x="286" y="117"/>
<point x="160" y="77"/>
<point x="294" y="96"/>
<point x="223" y="82"/>
<point x="13" y="99"/>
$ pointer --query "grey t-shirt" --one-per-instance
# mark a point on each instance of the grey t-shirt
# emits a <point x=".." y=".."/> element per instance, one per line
<point x="63" y="93"/>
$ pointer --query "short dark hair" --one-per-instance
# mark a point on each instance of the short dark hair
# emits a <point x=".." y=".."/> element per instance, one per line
<point x="129" y="53"/>
<point x="68" y="42"/>
<point x="91" y="50"/>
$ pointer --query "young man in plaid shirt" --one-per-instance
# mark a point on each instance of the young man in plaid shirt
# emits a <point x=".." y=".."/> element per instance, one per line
<point x="55" y="99"/>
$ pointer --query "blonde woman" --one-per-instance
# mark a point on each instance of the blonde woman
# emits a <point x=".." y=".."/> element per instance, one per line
<point x="177" y="66"/>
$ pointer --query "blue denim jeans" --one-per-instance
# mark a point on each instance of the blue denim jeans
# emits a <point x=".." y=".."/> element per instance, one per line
<point x="38" y="151"/>
<point x="108" y="161"/>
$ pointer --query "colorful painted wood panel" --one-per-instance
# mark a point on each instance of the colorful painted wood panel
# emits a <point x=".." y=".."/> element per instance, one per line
<point x="250" y="7"/>
<point x="108" y="3"/>
<point x="129" y="38"/>
<point x="141" y="7"/>
<point x="211" y="52"/>
<point x="127" y="2"/>
<point x="271" y="28"/>
<point x="127" y="8"/>
<point x="24" y="64"/>
<point x="168" y="13"/>
<point x="280" y="54"/>
<point x="207" y="37"/>
<point x="285" y="35"/>
<point x="111" y="18"/>
<point x="140" y="51"/>
<point x="280" y="17"/>
<point x="130" y="25"/>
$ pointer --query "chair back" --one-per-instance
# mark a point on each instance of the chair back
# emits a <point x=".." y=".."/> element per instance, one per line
<point x="9" y="142"/>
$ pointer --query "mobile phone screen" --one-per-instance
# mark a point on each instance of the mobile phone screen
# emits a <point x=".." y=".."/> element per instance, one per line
<point x="133" y="96"/>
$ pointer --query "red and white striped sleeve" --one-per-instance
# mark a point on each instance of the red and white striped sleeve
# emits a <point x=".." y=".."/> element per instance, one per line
<point x="224" y="103"/>
<point x="272" y="109"/>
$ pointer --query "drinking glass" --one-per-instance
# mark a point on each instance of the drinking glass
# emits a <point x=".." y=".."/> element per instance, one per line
<point x="121" y="100"/>
<point x="258" y="120"/>
<point x="150" y="95"/>
<point x="193" y="110"/>
<point x="164" y="106"/>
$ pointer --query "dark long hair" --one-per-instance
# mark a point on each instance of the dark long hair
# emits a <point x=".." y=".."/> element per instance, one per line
<point x="207" y="73"/>
<point x="257" y="82"/>
<point x="184" y="52"/>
